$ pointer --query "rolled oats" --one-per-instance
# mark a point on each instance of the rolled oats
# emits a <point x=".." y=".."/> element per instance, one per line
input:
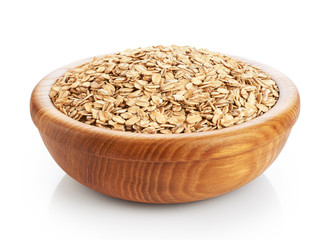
<point x="164" y="90"/>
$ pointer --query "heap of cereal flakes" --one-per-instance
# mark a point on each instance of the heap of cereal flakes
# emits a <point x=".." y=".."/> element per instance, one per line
<point x="164" y="90"/>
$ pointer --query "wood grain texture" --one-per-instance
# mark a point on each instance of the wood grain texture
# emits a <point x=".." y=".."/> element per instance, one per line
<point x="165" y="168"/>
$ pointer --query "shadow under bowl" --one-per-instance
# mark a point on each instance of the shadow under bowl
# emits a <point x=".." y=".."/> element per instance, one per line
<point x="165" y="168"/>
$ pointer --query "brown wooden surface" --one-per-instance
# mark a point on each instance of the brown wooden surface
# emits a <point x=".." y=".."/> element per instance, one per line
<point x="165" y="168"/>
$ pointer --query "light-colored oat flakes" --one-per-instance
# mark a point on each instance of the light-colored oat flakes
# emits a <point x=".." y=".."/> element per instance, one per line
<point x="164" y="90"/>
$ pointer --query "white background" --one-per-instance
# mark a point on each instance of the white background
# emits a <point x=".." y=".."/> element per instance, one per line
<point x="289" y="201"/>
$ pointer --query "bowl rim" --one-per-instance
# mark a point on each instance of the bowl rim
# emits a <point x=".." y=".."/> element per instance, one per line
<point x="288" y="100"/>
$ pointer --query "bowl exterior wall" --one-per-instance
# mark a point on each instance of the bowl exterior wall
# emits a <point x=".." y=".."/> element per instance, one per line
<point x="165" y="182"/>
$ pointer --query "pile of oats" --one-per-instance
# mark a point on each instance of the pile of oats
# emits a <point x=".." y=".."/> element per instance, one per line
<point x="164" y="90"/>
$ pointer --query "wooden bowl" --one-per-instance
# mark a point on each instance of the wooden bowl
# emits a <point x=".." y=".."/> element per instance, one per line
<point x="159" y="168"/>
